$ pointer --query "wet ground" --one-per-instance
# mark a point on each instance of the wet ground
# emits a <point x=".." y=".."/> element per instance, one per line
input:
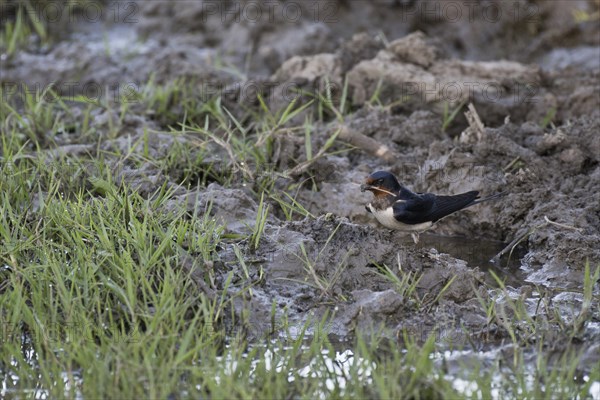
<point x="531" y="70"/>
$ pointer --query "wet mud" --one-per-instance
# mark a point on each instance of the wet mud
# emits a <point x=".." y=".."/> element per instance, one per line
<point x="533" y="80"/>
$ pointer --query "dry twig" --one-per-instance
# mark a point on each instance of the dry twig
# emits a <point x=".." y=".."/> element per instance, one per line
<point x="367" y="144"/>
<point x="476" y="127"/>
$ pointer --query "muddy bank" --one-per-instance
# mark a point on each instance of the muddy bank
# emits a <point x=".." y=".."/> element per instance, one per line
<point x="531" y="74"/>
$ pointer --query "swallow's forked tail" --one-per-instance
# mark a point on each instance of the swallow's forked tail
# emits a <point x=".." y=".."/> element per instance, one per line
<point x="490" y="197"/>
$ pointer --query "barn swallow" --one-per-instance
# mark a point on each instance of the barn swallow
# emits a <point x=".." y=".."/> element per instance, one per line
<point x="396" y="207"/>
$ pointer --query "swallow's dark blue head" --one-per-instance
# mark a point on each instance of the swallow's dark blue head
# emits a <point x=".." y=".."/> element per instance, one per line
<point x="381" y="183"/>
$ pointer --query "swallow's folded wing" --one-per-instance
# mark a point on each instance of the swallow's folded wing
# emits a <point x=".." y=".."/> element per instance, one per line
<point x="414" y="210"/>
<point x="429" y="207"/>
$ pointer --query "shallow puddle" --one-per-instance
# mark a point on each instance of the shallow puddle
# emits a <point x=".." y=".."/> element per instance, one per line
<point x="479" y="253"/>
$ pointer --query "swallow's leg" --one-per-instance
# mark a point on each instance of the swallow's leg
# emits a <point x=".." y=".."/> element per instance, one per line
<point x="415" y="237"/>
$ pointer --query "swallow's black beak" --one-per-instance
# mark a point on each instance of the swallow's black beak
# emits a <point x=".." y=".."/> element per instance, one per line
<point x="365" y="187"/>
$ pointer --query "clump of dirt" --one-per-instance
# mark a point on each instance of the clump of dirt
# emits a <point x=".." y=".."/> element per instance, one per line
<point x="413" y="72"/>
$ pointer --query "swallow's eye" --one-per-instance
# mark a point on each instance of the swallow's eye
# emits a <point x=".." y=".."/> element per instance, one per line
<point x="380" y="181"/>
